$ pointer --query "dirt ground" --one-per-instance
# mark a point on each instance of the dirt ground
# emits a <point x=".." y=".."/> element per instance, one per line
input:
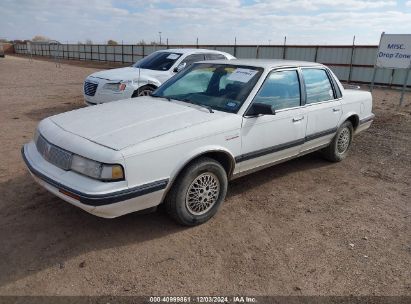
<point x="285" y="230"/>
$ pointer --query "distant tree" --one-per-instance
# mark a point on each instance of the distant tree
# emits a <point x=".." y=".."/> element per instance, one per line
<point x="39" y="38"/>
<point x="112" y="42"/>
<point x="89" y="41"/>
<point x="141" y="42"/>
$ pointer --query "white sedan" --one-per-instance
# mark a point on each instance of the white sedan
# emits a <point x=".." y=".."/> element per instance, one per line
<point x="144" y="76"/>
<point x="210" y="123"/>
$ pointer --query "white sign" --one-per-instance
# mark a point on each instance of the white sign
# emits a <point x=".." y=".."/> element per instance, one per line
<point x="173" y="56"/>
<point x="394" y="51"/>
<point x="242" y="75"/>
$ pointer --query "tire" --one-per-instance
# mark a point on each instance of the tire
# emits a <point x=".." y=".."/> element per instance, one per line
<point x="340" y="145"/>
<point x="143" y="91"/>
<point x="189" y="202"/>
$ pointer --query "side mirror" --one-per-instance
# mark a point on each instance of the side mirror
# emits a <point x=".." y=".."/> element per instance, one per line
<point x="257" y="109"/>
<point x="180" y="67"/>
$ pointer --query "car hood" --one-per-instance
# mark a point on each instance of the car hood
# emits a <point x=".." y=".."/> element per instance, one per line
<point x="127" y="73"/>
<point x="121" y="124"/>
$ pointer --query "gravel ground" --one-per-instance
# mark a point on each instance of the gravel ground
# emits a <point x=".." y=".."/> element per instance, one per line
<point x="305" y="227"/>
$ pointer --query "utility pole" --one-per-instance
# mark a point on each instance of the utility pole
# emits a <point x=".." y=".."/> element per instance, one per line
<point x="159" y="33"/>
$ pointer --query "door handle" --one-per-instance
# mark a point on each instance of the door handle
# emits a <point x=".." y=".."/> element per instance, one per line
<point x="295" y="119"/>
<point x="336" y="110"/>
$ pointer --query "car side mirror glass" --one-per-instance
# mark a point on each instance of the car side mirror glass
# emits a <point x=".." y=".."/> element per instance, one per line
<point x="180" y="67"/>
<point x="257" y="109"/>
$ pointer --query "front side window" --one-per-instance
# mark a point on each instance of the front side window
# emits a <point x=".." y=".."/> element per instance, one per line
<point x="159" y="61"/>
<point x="281" y="90"/>
<point x="190" y="59"/>
<point x="222" y="87"/>
<point x="317" y="85"/>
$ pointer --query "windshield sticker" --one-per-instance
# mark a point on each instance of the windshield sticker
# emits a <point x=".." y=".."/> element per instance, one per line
<point x="242" y="75"/>
<point x="231" y="104"/>
<point x="173" y="56"/>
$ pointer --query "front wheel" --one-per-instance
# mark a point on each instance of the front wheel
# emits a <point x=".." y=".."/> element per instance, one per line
<point x="198" y="192"/>
<point x="340" y="145"/>
<point x="143" y="91"/>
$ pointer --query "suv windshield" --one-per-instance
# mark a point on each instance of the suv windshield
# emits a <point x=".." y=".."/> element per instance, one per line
<point x="159" y="61"/>
<point x="222" y="87"/>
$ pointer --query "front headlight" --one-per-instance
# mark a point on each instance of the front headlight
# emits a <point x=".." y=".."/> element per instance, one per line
<point x="116" y="87"/>
<point x="96" y="169"/>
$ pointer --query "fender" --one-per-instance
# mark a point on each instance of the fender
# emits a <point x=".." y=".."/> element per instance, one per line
<point x="193" y="155"/>
<point x="145" y="80"/>
<point x="345" y="116"/>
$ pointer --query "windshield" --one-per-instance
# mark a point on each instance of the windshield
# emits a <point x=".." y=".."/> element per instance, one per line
<point x="159" y="61"/>
<point x="222" y="87"/>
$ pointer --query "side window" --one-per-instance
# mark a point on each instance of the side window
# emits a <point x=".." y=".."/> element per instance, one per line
<point x="190" y="59"/>
<point x="317" y="85"/>
<point x="280" y="90"/>
<point x="215" y="56"/>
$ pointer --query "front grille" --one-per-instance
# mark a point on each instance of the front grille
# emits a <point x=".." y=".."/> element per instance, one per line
<point x="90" y="88"/>
<point x="53" y="154"/>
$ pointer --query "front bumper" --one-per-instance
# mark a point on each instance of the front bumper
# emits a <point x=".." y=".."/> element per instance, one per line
<point x="110" y="204"/>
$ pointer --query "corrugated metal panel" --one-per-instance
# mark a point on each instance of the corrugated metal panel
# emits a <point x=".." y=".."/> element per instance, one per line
<point x="334" y="55"/>
<point x="128" y="58"/>
<point x="300" y="53"/>
<point x="118" y="49"/>
<point x="246" y="52"/>
<point x="127" y="49"/>
<point x="137" y="58"/>
<point x="138" y="50"/>
<point x="110" y="49"/>
<point x="226" y="49"/>
<point x="341" y="72"/>
<point x="364" y="56"/>
<point x="399" y="77"/>
<point x="270" y="52"/>
<point x="325" y="54"/>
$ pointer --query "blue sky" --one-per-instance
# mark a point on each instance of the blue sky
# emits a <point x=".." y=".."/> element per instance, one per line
<point x="212" y="21"/>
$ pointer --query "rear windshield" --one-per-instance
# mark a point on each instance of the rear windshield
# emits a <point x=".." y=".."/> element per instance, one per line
<point x="159" y="61"/>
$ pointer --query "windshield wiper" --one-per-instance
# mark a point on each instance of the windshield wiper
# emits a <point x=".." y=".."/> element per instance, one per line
<point x="210" y="109"/>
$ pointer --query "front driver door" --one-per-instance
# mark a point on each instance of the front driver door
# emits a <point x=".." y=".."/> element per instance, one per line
<point x="270" y="138"/>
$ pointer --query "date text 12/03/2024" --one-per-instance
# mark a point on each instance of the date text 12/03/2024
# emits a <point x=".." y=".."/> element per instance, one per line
<point x="202" y="299"/>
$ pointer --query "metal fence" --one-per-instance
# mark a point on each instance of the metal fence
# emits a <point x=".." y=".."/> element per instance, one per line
<point x="351" y="63"/>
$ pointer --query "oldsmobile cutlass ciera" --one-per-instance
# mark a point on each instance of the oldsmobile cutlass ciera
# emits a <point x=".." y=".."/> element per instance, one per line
<point x="212" y="122"/>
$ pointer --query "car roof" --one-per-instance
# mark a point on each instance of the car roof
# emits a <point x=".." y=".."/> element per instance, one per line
<point x="185" y="51"/>
<point x="267" y="63"/>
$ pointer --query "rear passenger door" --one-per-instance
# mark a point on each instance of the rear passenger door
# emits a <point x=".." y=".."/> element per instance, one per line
<point x="322" y="107"/>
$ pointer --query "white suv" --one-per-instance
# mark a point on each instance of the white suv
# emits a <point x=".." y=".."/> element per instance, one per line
<point x="144" y="76"/>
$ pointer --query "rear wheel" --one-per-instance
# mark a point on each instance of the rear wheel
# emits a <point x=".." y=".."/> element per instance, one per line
<point x="143" y="91"/>
<point x="340" y="145"/>
<point x="198" y="192"/>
